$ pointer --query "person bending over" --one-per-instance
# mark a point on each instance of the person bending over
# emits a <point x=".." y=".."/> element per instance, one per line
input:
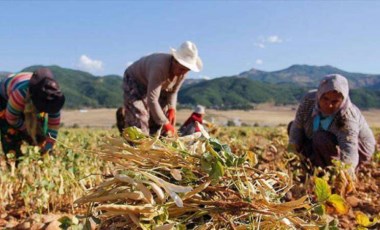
<point x="329" y="126"/>
<point x="151" y="86"/>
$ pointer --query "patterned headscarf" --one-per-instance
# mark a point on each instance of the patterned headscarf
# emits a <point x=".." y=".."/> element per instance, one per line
<point x="334" y="82"/>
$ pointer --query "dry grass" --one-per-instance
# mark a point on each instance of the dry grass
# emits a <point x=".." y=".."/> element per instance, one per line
<point x="263" y="116"/>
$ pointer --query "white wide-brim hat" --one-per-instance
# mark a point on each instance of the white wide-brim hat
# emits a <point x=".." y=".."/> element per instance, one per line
<point x="187" y="55"/>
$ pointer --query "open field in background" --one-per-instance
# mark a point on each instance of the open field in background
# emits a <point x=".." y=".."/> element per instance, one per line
<point x="263" y="116"/>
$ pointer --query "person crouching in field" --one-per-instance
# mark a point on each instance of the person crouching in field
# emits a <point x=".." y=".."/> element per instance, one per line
<point x="151" y="85"/>
<point x="191" y="125"/>
<point x="30" y="105"/>
<point x="329" y="126"/>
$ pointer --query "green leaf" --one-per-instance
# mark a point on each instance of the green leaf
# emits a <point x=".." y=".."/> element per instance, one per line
<point x="65" y="222"/>
<point x="339" y="203"/>
<point x="206" y="162"/>
<point x="320" y="210"/>
<point x="241" y="160"/>
<point x="322" y="189"/>
<point x="215" y="144"/>
<point x="189" y="176"/>
<point x="332" y="225"/>
<point x="217" y="171"/>
<point x="134" y="133"/>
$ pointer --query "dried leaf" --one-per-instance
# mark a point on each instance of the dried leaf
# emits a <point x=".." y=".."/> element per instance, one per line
<point x="197" y="190"/>
<point x="176" y="173"/>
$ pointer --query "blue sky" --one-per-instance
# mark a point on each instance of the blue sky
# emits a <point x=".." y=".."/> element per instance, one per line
<point x="104" y="37"/>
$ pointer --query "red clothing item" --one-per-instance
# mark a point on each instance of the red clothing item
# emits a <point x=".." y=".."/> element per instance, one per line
<point x="192" y="119"/>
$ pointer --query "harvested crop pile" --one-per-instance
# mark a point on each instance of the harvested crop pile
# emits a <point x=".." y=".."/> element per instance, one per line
<point x="190" y="182"/>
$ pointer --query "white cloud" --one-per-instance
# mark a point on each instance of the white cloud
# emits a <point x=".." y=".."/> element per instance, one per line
<point x="88" y="64"/>
<point x="205" y="77"/>
<point x="265" y="41"/>
<point x="259" y="62"/>
<point x="274" y="39"/>
<point x="260" y="45"/>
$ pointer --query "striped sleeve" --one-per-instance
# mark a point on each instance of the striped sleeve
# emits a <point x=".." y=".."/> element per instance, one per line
<point x="15" y="109"/>
<point x="54" y="121"/>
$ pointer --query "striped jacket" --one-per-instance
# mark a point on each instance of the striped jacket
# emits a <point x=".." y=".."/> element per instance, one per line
<point x="349" y="127"/>
<point x="14" y="89"/>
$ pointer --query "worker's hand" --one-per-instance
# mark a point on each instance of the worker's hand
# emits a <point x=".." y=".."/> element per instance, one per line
<point x="171" y="116"/>
<point x="168" y="130"/>
<point x="47" y="146"/>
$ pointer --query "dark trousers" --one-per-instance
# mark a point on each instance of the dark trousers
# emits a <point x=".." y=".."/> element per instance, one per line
<point x="324" y="147"/>
<point x="321" y="149"/>
<point x="11" y="138"/>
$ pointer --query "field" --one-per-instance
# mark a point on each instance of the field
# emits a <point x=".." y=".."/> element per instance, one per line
<point x="40" y="193"/>
<point x="264" y="116"/>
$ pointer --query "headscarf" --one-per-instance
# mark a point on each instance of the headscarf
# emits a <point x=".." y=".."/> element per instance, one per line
<point x="332" y="82"/>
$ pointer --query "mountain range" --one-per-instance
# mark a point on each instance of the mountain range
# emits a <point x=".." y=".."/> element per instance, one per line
<point x="242" y="91"/>
<point x="309" y="76"/>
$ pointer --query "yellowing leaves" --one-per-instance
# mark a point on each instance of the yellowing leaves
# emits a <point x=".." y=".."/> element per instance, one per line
<point x="252" y="158"/>
<point x="338" y="203"/>
<point x="323" y="192"/>
<point x="363" y="220"/>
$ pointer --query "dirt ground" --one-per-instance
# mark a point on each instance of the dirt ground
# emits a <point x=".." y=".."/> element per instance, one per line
<point x="263" y="116"/>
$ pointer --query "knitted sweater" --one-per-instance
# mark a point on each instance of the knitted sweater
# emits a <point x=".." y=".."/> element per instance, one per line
<point x="349" y="127"/>
<point x="15" y="89"/>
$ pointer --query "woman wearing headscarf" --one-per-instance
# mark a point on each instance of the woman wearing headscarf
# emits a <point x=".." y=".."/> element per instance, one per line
<point x="329" y="126"/>
<point x="191" y="125"/>
<point x="30" y="104"/>
<point x="151" y="85"/>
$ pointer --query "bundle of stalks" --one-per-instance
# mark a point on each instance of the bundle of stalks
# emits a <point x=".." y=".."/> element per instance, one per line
<point x="191" y="182"/>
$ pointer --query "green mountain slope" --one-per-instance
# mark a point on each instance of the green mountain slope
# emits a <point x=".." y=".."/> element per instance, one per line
<point x="239" y="93"/>
<point x="84" y="90"/>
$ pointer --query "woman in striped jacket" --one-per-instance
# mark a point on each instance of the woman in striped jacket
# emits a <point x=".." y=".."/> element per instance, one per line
<point x="328" y="126"/>
<point x="30" y="105"/>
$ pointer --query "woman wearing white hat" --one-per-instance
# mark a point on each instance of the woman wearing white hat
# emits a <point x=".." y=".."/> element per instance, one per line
<point x="151" y="85"/>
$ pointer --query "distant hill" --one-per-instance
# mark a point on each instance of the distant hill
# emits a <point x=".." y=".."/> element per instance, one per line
<point x="239" y="93"/>
<point x="243" y="91"/>
<point x="310" y="76"/>
<point x="281" y="87"/>
<point x="84" y="90"/>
